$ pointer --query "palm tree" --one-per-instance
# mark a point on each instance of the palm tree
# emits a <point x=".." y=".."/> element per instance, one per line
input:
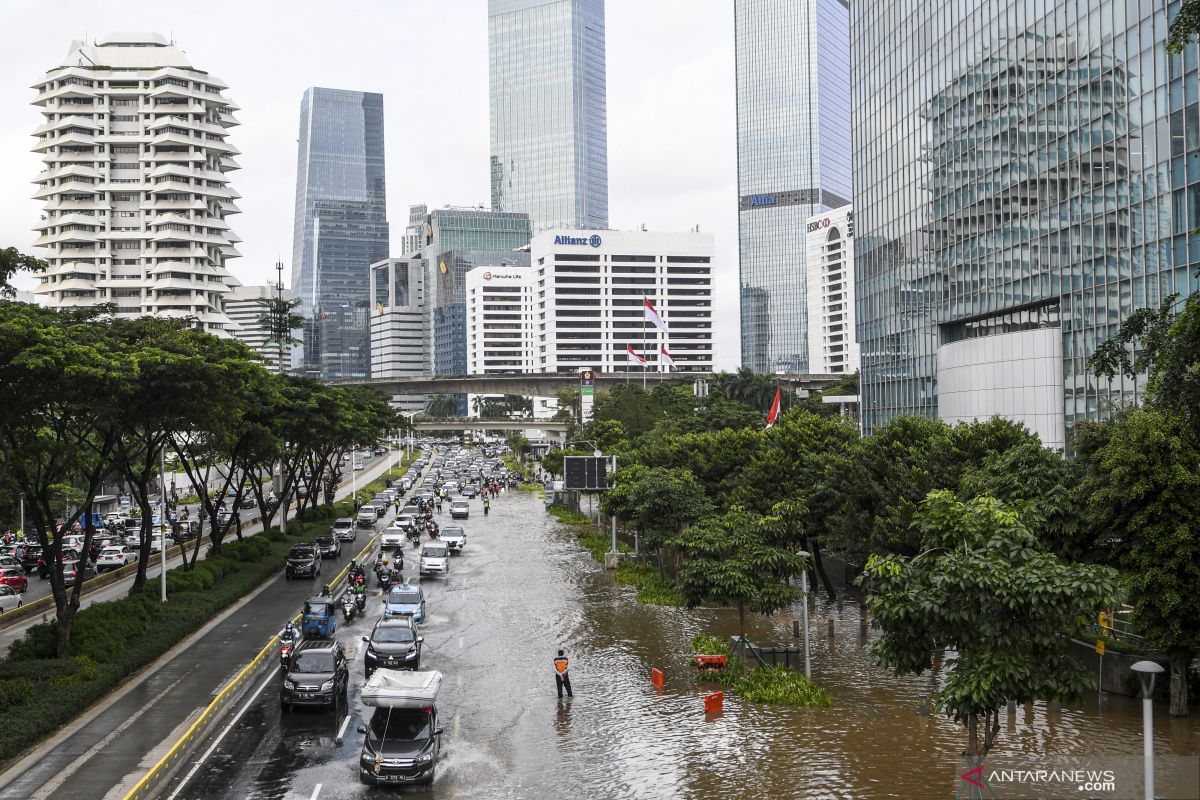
<point x="441" y="406"/>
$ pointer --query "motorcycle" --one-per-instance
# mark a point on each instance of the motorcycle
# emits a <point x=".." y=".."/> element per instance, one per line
<point x="349" y="607"/>
<point x="394" y="579"/>
<point x="433" y="531"/>
<point x="285" y="652"/>
<point x="360" y="598"/>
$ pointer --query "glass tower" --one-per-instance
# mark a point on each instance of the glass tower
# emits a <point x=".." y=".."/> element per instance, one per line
<point x="793" y="129"/>
<point x="1037" y="170"/>
<point x="548" y="111"/>
<point x="341" y="228"/>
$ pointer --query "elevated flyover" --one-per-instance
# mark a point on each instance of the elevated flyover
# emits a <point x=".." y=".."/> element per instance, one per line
<point x="544" y="384"/>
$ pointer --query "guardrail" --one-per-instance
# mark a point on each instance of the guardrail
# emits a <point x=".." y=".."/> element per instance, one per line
<point x="161" y="772"/>
<point x="42" y="604"/>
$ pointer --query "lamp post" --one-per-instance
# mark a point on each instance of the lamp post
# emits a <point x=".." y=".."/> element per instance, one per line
<point x="804" y="612"/>
<point x="1146" y="671"/>
<point x="162" y="519"/>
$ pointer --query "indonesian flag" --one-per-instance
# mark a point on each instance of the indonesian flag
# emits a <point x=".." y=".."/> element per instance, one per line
<point x="632" y="357"/>
<point x="653" y="315"/>
<point x="773" y="414"/>
<point x="665" y="357"/>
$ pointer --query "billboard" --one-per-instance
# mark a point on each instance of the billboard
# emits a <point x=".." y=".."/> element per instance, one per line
<point x="586" y="473"/>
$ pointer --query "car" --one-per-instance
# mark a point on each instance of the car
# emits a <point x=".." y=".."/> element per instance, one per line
<point x="401" y="746"/>
<point x="248" y="502"/>
<point x="8" y="562"/>
<point x="379" y="507"/>
<point x="455" y="538"/>
<point x="72" y="571"/>
<point x="469" y="490"/>
<point x="329" y="545"/>
<point x="435" y="559"/>
<point x="392" y="536"/>
<point x="67" y="555"/>
<point x="411" y="509"/>
<point x="460" y="509"/>
<point x="405" y="600"/>
<point x="393" y="644"/>
<point x="10" y="598"/>
<point x="115" y="557"/>
<point x="366" y="517"/>
<point x="303" y="560"/>
<point x="30" y="554"/>
<point x="344" y="529"/>
<point x="14" y="578"/>
<point x="317" y="675"/>
<point x="358" y="465"/>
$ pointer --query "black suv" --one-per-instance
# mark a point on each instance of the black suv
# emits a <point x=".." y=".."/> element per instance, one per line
<point x="393" y="644"/>
<point x="317" y="675"/>
<point x="329" y="545"/>
<point x="303" y="560"/>
<point x="401" y="746"/>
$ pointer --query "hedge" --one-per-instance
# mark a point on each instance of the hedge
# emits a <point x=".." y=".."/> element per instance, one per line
<point x="112" y="640"/>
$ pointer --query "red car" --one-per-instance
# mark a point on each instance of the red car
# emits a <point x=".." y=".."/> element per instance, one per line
<point x="14" y="578"/>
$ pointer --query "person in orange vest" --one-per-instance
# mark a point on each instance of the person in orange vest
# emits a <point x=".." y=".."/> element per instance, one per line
<point x="561" y="677"/>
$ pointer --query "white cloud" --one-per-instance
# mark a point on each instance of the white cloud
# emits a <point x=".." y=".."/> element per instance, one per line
<point x="672" y="146"/>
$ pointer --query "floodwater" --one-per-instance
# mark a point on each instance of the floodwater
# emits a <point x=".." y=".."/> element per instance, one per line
<point x="524" y="588"/>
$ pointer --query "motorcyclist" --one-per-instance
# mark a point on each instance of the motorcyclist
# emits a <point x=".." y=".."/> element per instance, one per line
<point x="288" y="634"/>
<point x="487" y="505"/>
<point x="326" y="591"/>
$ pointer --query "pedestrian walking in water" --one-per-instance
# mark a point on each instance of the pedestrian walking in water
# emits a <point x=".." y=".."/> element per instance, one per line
<point x="562" y="678"/>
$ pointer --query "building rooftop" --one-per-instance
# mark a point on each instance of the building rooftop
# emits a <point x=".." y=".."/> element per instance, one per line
<point x="126" y="51"/>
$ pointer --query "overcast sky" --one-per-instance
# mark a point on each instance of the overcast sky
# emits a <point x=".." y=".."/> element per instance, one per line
<point x="671" y="125"/>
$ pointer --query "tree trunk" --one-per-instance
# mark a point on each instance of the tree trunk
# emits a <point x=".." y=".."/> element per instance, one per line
<point x="742" y="620"/>
<point x="144" y="536"/>
<point x="972" y="737"/>
<point x="1179" y="687"/>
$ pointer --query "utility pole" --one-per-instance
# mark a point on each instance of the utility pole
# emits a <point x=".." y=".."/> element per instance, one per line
<point x="279" y="321"/>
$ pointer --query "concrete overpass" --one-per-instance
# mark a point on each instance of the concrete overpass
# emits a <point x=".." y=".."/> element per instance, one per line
<point x="544" y="384"/>
<point x="552" y="429"/>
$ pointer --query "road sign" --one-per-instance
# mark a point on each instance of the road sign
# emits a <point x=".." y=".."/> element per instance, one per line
<point x="1100" y="646"/>
<point x="586" y="473"/>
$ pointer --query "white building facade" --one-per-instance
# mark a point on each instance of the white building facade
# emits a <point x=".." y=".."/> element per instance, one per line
<point x="499" y="319"/>
<point x="589" y="293"/>
<point x="136" y="185"/>
<point x="400" y="324"/>
<point x="829" y="238"/>
<point x="245" y="307"/>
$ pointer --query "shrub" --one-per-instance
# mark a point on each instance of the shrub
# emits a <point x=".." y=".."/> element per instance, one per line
<point x="775" y="685"/>
<point x="652" y="589"/>
<point x="568" y="516"/>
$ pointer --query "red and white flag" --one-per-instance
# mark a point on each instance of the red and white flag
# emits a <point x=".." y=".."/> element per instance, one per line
<point x="773" y="414"/>
<point x="632" y="357"/>
<point x="665" y="357"/>
<point x="653" y="315"/>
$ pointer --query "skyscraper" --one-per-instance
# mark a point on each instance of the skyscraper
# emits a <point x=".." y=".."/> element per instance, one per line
<point x="135" y="187"/>
<point x="793" y="128"/>
<point x="1027" y="186"/>
<point x="548" y="111"/>
<point x="341" y="227"/>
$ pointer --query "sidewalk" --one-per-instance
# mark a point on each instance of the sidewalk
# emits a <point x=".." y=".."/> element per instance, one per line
<point x="124" y="738"/>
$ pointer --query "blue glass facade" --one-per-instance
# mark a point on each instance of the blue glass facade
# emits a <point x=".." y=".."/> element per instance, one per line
<point x="341" y="228"/>
<point x="549" y="120"/>
<point x="793" y="128"/>
<point x="1037" y="167"/>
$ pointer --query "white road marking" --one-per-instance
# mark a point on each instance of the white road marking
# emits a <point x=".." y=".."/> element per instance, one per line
<point x="460" y="643"/>
<point x="246" y="703"/>
<point x="316" y="792"/>
<point x="456" y="725"/>
<point x="49" y="787"/>
<point x="342" y="730"/>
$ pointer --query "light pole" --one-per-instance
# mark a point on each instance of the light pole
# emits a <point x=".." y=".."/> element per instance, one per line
<point x="804" y="612"/>
<point x="1146" y="671"/>
<point x="162" y="519"/>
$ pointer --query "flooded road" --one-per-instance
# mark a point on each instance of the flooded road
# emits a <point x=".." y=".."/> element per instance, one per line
<point x="524" y="588"/>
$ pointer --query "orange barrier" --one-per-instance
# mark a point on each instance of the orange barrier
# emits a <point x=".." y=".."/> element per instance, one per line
<point x="714" y="702"/>
<point x="656" y="677"/>
<point x="710" y="662"/>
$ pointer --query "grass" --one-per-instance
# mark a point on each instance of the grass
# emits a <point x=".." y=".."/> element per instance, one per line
<point x="532" y="487"/>
<point x="569" y="516"/>
<point x="651" y="589"/>
<point x="774" y="685"/>
<point x="112" y="640"/>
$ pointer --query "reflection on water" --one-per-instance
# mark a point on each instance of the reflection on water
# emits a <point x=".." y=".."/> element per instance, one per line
<point x="620" y="738"/>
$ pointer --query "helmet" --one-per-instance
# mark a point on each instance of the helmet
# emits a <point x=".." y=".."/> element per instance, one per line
<point x="289" y="627"/>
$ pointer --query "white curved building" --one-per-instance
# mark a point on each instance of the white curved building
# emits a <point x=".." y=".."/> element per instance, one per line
<point x="136" y="185"/>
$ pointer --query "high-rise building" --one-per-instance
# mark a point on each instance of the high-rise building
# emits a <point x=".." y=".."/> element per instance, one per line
<point x="245" y="306"/>
<point x="135" y="186"/>
<point x="452" y="241"/>
<point x="590" y="295"/>
<point x="500" y="311"/>
<point x="830" y="257"/>
<point x="793" y="131"/>
<point x="1017" y="195"/>
<point x="399" y="323"/>
<point x="549" y="124"/>
<point x="340" y="228"/>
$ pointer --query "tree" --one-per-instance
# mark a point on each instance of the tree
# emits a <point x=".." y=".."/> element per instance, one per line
<point x="983" y="587"/>
<point x="568" y="400"/>
<point x="11" y="262"/>
<point x="739" y="559"/>
<point x="442" y="406"/>
<point x="1185" y="26"/>
<point x="660" y="502"/>
<point x="717" y="458"/>
<point x="1142" y="490"/>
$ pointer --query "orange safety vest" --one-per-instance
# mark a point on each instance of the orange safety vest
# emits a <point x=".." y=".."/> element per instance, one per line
<point x="560" y="664"/>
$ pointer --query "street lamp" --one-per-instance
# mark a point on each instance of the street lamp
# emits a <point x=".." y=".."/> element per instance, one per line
<point x="1146" y="671"/>
<point x="804" y="613"/>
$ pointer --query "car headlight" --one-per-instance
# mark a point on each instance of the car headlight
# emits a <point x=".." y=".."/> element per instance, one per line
<point x="326" y="686"/>
<point x="367" y="760"/>
<point x="288" y="684"/>
<point x="412" y="651"/>
<point x="426" y="758"/>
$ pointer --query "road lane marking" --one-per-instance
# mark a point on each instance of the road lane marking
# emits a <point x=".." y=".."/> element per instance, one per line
<point x="342" y="731"/>
<point x="49" y="787"/>
<point x="249" y="701"/>
<point x="316" y="792"/>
